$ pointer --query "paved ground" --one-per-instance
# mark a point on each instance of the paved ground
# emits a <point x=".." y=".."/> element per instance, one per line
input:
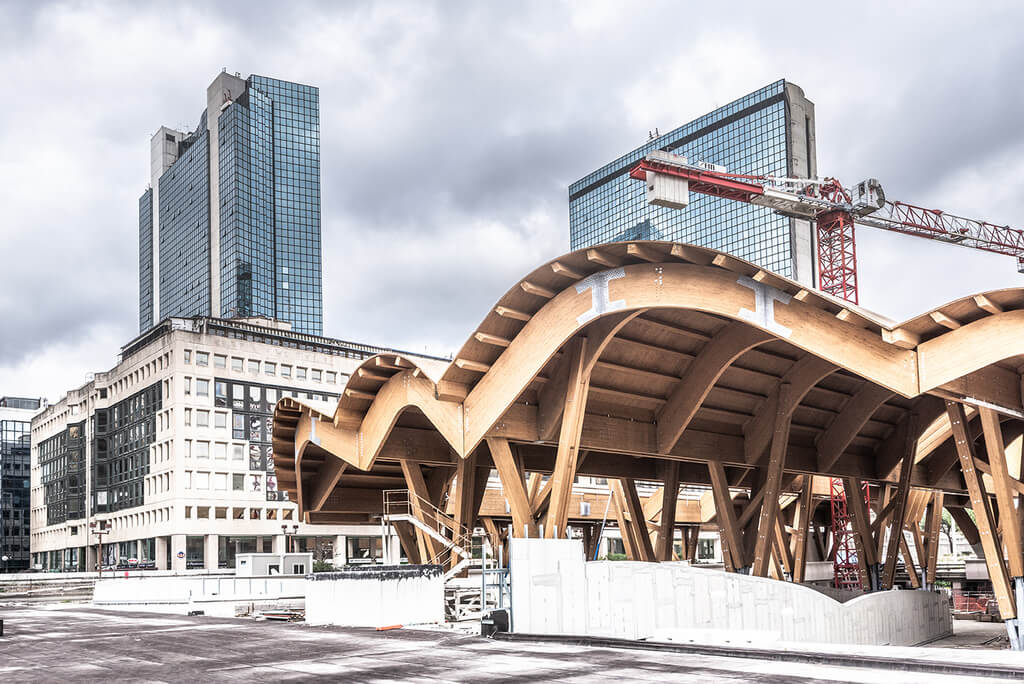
<point x="81" y="644"/>
<point x="972" y="634"/>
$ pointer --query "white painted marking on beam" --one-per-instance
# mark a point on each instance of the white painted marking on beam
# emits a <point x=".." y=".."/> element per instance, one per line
<point x="763" y="314"/>
<point x="597" y="283"/>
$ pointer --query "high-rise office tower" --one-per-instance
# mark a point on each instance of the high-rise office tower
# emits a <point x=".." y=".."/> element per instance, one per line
<point x="768" y="132"/>
<point x="230" y="225"/>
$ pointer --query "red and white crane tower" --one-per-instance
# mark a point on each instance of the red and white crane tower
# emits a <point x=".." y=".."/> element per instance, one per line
<point x="835" y="209"/>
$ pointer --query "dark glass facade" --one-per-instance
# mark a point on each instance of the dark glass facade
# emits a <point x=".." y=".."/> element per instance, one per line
<point x="752" y="135"/>
<point x="122" y="435"/>
<point x="62" y="462"/>
<point x="15" y="457"/>
<point x="296" y="157"/>
<point x="146" y="258"/>
<point x="252" y="419"/>
<point x="185" y="230"/>
<point x="267" y="246"/>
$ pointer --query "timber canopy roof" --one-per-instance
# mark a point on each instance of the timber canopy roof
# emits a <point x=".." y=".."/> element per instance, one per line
<point x="674" y="353"/>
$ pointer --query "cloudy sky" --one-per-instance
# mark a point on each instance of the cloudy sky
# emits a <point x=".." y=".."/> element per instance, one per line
<point x="450" y="133"/>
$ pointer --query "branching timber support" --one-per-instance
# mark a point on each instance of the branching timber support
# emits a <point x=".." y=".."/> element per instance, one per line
<point x="728" y="531"/>
<point x="669" y="496"/>
<point x="997" y="572"/>
<point x="511" y="475"/>
<point x="899" y="512"/>
<point x="867" y="558"/>
<point x="1009" y="519"/>
<point x="801" y="524"/>
<point x="636" y="516"/>
<point x="772" y="485"/>
<point x="568" y="440"/>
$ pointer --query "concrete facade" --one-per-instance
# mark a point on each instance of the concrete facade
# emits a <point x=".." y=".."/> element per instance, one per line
<point x="203" y="494"/>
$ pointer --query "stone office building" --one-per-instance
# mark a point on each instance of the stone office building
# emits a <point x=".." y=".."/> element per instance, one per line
<point x="169" y="451"/>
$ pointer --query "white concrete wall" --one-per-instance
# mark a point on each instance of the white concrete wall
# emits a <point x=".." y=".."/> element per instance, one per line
<point x="555" y="592"/>
<point x="548" y="586"/>
<point x="378" y="596"/>
<point x="214" y="595"/>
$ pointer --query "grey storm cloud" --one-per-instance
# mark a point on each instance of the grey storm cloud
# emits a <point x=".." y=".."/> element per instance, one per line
<point x="450" y="132"/>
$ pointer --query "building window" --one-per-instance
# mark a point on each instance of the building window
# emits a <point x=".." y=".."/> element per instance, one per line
<point x="220" y="481"/>
<point x="220" y="361"/>
<point x="188" y="448"/>
<point x="316" y="375"/>
<point x="188" y="356"/>
<point x="220" y="420"/>
<point x="286" y="371"/>
<point x="188" y="387"/>
<point x="237" y="426"/>
<point x="202" y="418"/>
<point x="237" y="452"/>
<point x="236" y="364"/>
<point x="300" y="373"/>
<point x="188" y="480"/>
<point x="332" y="377"/>
<point x="270" y="368"/>
<point x="237" y="482"/>
<point x="254" y="366"/>
<point x="202" y="388"/>
<point x="202" y="450"/>
<point x="220" y="451"/>
<point x="202" y="358"/>
<point x="202" y="482"/>
<point x="220" y="394"/>
<point x="188" y="416"/>
<point x="271" y="396"/>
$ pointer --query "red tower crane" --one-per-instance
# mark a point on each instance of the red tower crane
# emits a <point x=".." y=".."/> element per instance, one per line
<point x="835" y="209"/>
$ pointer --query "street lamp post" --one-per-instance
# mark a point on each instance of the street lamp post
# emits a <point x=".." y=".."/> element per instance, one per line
<point x="99" y="529"/>
<point x="5" y="558"/>
<point x="288" y="538"/>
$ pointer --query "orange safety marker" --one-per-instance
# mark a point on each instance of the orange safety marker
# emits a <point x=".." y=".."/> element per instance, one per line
<point x="389" y="627"/>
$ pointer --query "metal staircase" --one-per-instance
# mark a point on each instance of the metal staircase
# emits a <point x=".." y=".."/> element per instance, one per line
<point x="456" y="552"/>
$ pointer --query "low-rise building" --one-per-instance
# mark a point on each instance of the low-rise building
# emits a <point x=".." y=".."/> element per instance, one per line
<point x="165" y="459"/>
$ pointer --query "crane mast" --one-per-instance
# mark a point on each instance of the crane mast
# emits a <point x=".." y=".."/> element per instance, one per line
<point x="834" y="208"/>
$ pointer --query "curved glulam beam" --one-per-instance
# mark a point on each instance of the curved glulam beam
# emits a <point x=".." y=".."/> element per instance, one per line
<point x="850" y="421"/>
<point x="700" y="376"/>
<point x="680" y="286"/>
<point x="551" y="399"/>
<point x="951" y="359"/>
<point x="801" y="378"/>
<point x="402" y="391"/>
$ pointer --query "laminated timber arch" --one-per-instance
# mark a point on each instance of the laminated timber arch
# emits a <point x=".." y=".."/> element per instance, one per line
<point x="662" y="362"/>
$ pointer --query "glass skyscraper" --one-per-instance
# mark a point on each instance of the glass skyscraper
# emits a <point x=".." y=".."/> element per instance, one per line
<point x="768" y="132"/>
<point x="230" y="226"/>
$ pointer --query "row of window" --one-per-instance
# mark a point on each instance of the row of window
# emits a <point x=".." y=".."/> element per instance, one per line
<point x="254" y="366"/>
<point x="202" y="480"/>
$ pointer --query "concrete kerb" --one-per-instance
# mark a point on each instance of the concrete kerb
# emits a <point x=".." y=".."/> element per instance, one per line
<point x="925" y="666"/>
